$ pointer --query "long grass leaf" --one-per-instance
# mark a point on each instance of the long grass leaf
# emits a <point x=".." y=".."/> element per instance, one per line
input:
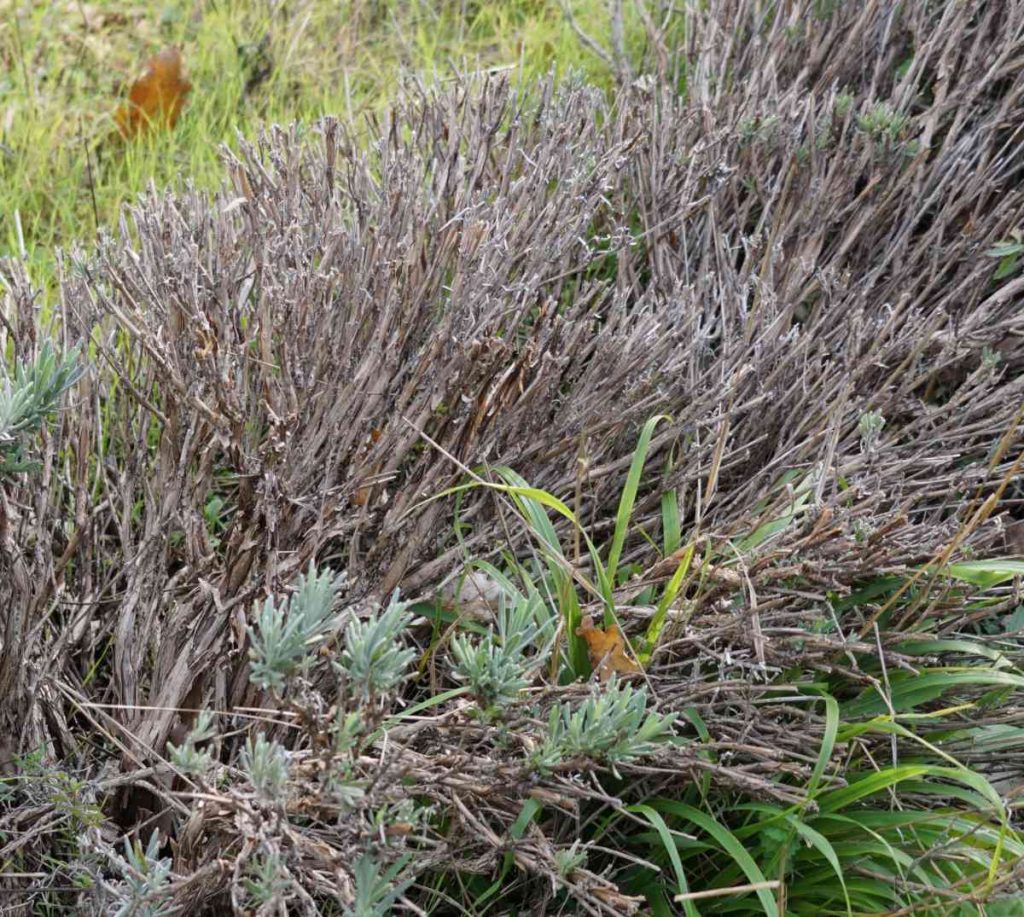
<point x="671" y="526"/>
<point x="668" y="597"/>
<point x="628" y="497"/>
<point x="729" y="843"/>
<point x="820" y="843"/>
<point x="828" y="743"/>
<point x="669" y="843"/>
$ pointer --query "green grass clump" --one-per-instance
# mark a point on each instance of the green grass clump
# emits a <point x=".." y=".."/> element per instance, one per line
<point x="922" y="833"/>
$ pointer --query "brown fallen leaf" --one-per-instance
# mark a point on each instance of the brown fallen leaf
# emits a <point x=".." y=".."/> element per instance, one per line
<point x="399" y="829"/>
<point x="607" y="650"/>
<point x="156" y="98"/>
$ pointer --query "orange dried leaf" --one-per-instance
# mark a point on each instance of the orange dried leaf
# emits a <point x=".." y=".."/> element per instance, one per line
<point x="156" y="98"/>
<point x="399" y="829"/>
<point x="607" y="650"/>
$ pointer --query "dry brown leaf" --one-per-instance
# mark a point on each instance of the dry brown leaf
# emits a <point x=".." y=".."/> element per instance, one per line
<point x="156" y="98"/>
<point x="607" y="649"/>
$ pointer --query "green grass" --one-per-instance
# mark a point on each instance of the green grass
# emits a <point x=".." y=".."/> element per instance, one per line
<point x="924" y="833"/>
<point x="67" y="66"/>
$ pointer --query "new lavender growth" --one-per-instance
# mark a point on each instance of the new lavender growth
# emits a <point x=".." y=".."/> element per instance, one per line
<point x="376" y="891"/>
<point x="286" y="631"/>
<point x="187" y="757"/>
<point x="146" y="876"/>
<point x="266" y="763"/>
<point x="374" y="661"/>
<point x="612" y="726"/>
<point x="500" y="665"/>
<point x="29" y="398"/>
